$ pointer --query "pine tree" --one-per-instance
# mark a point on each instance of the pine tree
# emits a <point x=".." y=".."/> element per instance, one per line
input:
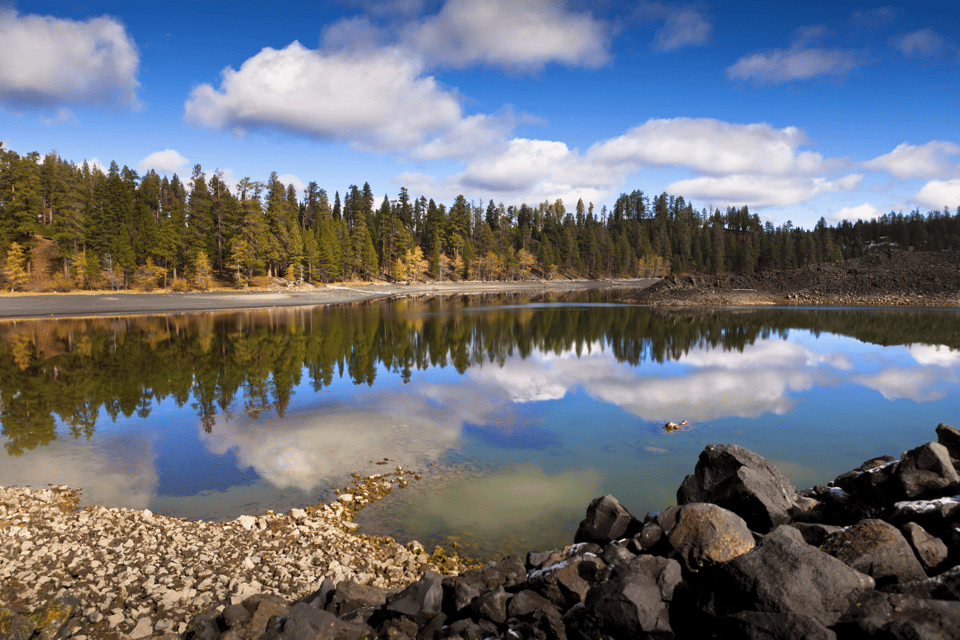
<point x="14" y="270"/>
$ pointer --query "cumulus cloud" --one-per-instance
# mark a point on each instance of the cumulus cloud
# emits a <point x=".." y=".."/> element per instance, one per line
<point x="515" y="34"/>
<point x="288" y="179"/>
<point x="47" y="62"/>
<point x="936" y="355"/>
<point x="710" y="146"/>
<point x="802" y="61"/>
<point x="865" y="211"/>
<point x="166" y="161"/>
<point x="937" y="194"/>
<point x="307" y="449"/>
<point x="919" y="385"/>
<point x="377" y="100"/>
<point x="761" y="191"/>
<point x="683" y="29"/>
<point x="924" y="42"/>
<point x="918" y="161"/>
<point x="753" y="164"/>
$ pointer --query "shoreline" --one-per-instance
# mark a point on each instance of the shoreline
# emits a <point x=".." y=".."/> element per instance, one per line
<point x="872" y="552"/>
<point x="122" y="303"/>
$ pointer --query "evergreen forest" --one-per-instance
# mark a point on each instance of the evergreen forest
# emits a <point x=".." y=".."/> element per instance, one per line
<point x="117" y="229"/>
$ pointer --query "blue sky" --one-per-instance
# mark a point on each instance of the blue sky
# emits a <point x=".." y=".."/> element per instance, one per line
<point x="832" y="109"/>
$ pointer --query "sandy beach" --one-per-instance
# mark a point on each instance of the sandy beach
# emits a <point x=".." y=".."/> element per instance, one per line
<point x="65" y="305"/>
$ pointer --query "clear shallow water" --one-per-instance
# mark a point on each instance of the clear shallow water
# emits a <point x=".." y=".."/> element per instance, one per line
<point x="520" y="410"/>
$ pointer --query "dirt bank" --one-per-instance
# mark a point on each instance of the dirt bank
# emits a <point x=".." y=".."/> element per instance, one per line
<point x="280" y="294"/>
<point x="885" y="277"/>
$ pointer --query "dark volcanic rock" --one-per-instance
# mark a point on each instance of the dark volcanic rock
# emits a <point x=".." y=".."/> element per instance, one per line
<point x="421" y="601"/>
<point x="950" y="438"/>
<point x="607" y="520"/>
<point x="738" y="479"/>
<point x="350" y="596"/>
<point x="877" y="549"/>
<point x="787" y="575"/>
<point x="560" y="583"/>
<point x="898" y="616"/>
<point x="927" y="470"/>
<point x="763" y="625"/>
<point x="634" y="602"/>
<point x="702" y="534"/>
<point x="930" y="550"/>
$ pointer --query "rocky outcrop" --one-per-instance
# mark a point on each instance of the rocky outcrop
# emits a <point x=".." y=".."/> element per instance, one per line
<point x="766" y="563"/>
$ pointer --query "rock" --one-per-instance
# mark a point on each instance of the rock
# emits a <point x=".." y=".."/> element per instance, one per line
<point x="458" y="593"/>
<point x="420" y="601"/>
<point x="930" y="551"/>
<point x="630" y="604"/>
<point x="937" y="516"/>
<point x="56" y="618"/>
<point x="703" y="534"/>
<point x="786" y="575"/>
<point x="945" y="586"/>
<point x="607" y="520"/>
<point x="898" y="616"/>
<point x="350" y="596"/>
<point x="949" y="437"/>
<point x="877" y="549"/>
<point x="813" y="532"/>
<point x="560" y="583"/>
<point x="764" y="625"/>
<point x="143" y="628"/>
<point x="14" y="626"/>
<point x="492" y="605"/>
<point x="927" y="471"/>
<point x="738" y="479"/>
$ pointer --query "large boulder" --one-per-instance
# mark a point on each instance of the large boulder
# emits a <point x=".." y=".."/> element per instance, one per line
<point x="786" y="575"/>
<point x="742" y="481"/>
<point x="703" y="534"/>
<point x="930" y="550"/>
<point x="607" y="520"/>
<point x="764" y="625"/>
<point x="877" y="549"/>
<point x="896" y="616"/>
<point x="927" y="471"/>
<point x="950" y="438"/>
<point x="561" y="583"/>
<point x="633" y="603"/>
<point x="420" y="601"/>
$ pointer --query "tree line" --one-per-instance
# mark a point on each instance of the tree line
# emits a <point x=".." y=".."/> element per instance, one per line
<point x="119" y="229"/>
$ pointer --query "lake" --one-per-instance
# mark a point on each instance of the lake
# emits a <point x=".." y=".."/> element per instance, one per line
<point x="518" y="409"/>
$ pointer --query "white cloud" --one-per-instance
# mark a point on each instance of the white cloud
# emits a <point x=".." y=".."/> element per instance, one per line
<point x="936" y="355"/>
<point x="919" y="385"/>
<point x="924" y="42"/>
<point x="48" y="62"/>
<point x="518" y="167"/>
<point x="95" y="164"/>
<point x="710" y="146"/>
<point x="515" y="34"/>
<point x="305" y="449"/>
<point x="923" y="161"/>
<point x="801" y="61"/>
<point x="166" y="161"/>
<point x="683" y="29"/>
<point x="377" y="100"/>
<point x="864" y="211"/>
<point x="937" y="194"/>
<point x="288" y="178"/>
<point x="760" y="191"/>
<point x="752" y="164"/>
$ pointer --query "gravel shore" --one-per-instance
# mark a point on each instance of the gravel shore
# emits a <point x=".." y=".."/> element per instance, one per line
<point x="136" y="573"/>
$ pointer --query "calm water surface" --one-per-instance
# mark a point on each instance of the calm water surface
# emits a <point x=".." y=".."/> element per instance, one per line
<point x="520" y="410"/>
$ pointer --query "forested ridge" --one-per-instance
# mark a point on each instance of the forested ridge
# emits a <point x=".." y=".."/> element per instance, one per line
<point x="119" y="229"/>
